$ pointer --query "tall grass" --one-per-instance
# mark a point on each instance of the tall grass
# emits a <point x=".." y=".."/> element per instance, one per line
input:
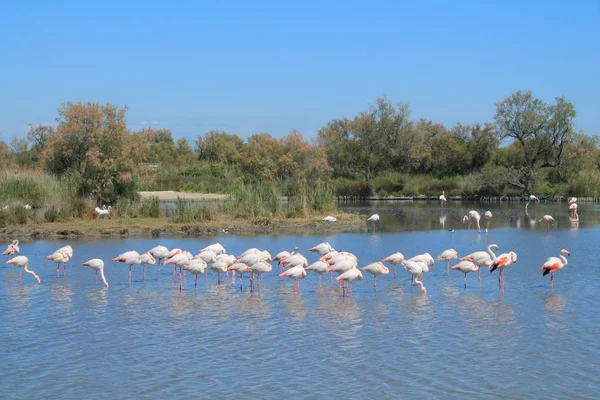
<point x="186" y="211"/>
<point x="198" y="177"/>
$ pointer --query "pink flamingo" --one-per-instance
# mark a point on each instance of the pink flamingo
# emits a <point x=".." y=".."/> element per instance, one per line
<point x="13" y="248"/>
<point x="322" y="248"/>
<point x="129" y="258"/>
<point x="443" y="199"/>
<point x="415" y="268"/>
<point x="23" y="262"/>
<point x="447" y="256"/>
<point x="320" y="267"/>
<point x="61" y="256"/>
<point x="217" y="248"/>
<point x="573" y="209"/>
<point x="473" y="217"/>
<point x="259" y="268"/>
<point x="548" y="219"/>
<point x="296" y="273"/>
<point x="375" y="269"/>
<point x="394" y="259"/>
<point x="501" y="262"/>
<point x="196" y="267"/>
<point x="481" y="258"/>
<point x="159" y="252"/>
<point x="98" y="265"/>
<point x="349" y="276"/>
<point x="553" y="264"/>
<point x="488" y="217"/>
<point x="466" y="266"/>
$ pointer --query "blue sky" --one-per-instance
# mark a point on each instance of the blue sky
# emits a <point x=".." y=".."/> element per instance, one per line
<point x="269" y="66"/>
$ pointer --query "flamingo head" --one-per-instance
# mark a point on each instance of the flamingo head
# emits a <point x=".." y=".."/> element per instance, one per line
<point x="563" y="251"/>
<point x="465" y="219"/>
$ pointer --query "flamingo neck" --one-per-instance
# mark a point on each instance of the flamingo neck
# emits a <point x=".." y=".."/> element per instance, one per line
<point x="564" y="259"/>
<point x="32" y="273"/>
<point x="491" y="252"/>
<point x="103" y="277"/>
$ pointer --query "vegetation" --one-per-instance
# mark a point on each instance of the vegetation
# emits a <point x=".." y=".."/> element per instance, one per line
<point x="91" y="158"/>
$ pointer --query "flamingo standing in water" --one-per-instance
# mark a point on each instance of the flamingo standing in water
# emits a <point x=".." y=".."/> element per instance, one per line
<point x="488" y="217"/>
<point x="373" y="218"/>
<point x="159" y="252"/>
<point x="466" y="266"/>
<point x="531" y="198"/>
<point x="259" y="268"/>
<point x="349" y="276"/>
<point x="240" y="268"/>
<point x="572" y="200"/>
<point x="548" y="219"/>
<point x="217" y="248"/>
<point x="481" y="258"/>
<point x="501" y="262"/>
<point x="443" y="199"/>
<point x="98" y="265"/>
<point x="296" y="273"/>
<point x="320" y="267"/>
<point x="394" y="259"/>
<point x="415" y="268"/>
<point x="448" y="255"/>
<point x="473" y="217"/>
<point x="553" y="264"/>
<point x="61" y="256"/>
<point x="196" y="267"/>
<point x="322" y="248"/>
<point x="23" y="262"/>
<point x="129" y="258"/>
<point x="146" y="259"/>
<point x="573" y="210"/>
<point x="375" y="269"/>
<point x="13" y="248"/>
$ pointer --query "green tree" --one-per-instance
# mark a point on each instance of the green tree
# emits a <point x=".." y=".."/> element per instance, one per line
<point x="217" y="146"/>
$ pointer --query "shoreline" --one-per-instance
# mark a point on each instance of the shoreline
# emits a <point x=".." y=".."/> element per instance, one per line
<point x="163" y="227"/>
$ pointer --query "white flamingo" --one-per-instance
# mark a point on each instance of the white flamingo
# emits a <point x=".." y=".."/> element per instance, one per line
<point x="448" y="255"/>
<point x="415" y="268"/>
<point x="23" y="262"/>
<point x="349" y="276"/>
<point x="488" y="217"/>
<point x="466" y="266"/>
<point x="481" y="258"/>
<point x="443" y="199"/>
<point x="216" y="247"/>
<point x="376" y="269"/>
<point x="548" y="219"/>
<point x="322" y="248"/>
<point x="98" y="265"/>
<point x="394" y="259"/>
<point x="473" y="217"/>
<point x="13" y="248"/>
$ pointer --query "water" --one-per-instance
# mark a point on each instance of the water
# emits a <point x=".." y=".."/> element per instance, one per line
<point x="69" y="338"/>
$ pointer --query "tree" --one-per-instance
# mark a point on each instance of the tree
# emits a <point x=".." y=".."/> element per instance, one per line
<point x="541" y="131"/>
<point x="185" y="153"/>
<point x="259" y="158"/>
<point x="218" y="146"/>
<point x="89" y="143"/>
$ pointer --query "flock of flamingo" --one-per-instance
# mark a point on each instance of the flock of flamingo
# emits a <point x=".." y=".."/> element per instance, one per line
<point x="294" y="265"/>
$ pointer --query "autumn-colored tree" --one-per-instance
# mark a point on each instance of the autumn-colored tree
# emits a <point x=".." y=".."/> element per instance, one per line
<point x="259" y="158"/>
<point x="89" y="143"/>
<point x="217" y="146"/>
<point x="185" y="153"/>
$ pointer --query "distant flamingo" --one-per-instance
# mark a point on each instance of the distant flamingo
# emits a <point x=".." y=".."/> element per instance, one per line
<point x="349" y="276"/>
<point x="207" y="256"/>
<point x="466" y="266"/>
<point x="448" y="255"/>
<point x="294" y="260"/>
<point x="488" y="217"/>
<point x="572" y="200"/>
<point x="172" y="254"/>
<point x="502" y="261"/>
<point x="553" y="264"/>
<point x="473" y="217"/>
<point x="443" y="199"/>
<point x="22" y="262"/>
<point x="13" y="248"/>
<point x="98" y="265"/>
<point x="394" y="259"/>
<point x="179" y="260"/>
<point x="159" y="252"/>
<point x="220" y="267"/>
<point x="375" y="269"/>
<point x="260" y="268"/>
<point x="146" y="259"/>
<point x="129" y="258"/>
<point x="373" y="218"/>
<point x="320" y="267"/>
<point x="240" y="268"/>
<point x="548" y="219"/>
<point x="481" y="258"/>
<point x="415" y="268"/>
<point x="296" y="273"/>
<point x="573" y="209"/>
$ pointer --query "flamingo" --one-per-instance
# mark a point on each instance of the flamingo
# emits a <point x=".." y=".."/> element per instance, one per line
<point x="473" y="217"/>
<point x="466" y="266"/>
<point x="281" y="255"/>
<point x="548" y="219"/>
<point x="375" y="269"/>
<point x="502" y="261"/>
<point x="219" y="267"/>
<point x="27" y="207"/>
<point x="448" y="255"/>
<point x="217" y="248"/>
<point x="61" y="256"/>
<point x="320" y="267"/>
<point x="259" y="268"/>
<point x="253" y="258"/>
<point x="207" y="256"/>
<point x="572" y="200"/>
<point x="553" y="264"/>
<point x="159" y="252"/>
<point x="294" y="260"/>
<point x="415" y="268"/>
<point x="488" y="217"/>
<point x="98" y="265"/>
<point x="146" y="259"/>
<point x="573" y="209"/>
<point x="229" y="259"/>
<point x="240" y="268"/>
<point x="179" y="260"/>
<point x="23" y="262"/>
<point x="531" y="198"/>
<point x="394" y="259"/>
<point x="129" y="258"/>
<point x="373" y="218"/>
<point x="322" y="248"/>
<point x="13" y="248"/>
<point x="350" y="276"/>
<point x="196" y="267"/>
<point x="296" y="273"/>
<point x="103" y="212"/>
<point x="329" y="218"/>
<point x="481" y="258"/>
<point x="443" y="199"/>
<point x="250" y="251"/>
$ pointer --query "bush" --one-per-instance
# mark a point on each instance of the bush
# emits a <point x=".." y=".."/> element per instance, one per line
<point x="150" y="208"/>
<point x="346" y="188"/>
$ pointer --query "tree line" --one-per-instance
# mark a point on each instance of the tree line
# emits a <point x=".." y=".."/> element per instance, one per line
<point x="530" y="146"/>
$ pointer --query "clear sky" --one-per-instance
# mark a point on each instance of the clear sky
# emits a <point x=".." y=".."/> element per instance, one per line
<point x="272" y="66"/>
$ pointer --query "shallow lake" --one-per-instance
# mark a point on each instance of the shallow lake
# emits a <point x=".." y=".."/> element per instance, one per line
<point x="70" y="338"/>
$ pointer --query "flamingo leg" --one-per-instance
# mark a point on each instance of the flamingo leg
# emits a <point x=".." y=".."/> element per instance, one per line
<point x="479" y="274"/>
<point x="447" y="267"/>
<point x="375" y="282"/>
<point x="465" y="281"/>
<point x="130" y="271"/>
<point x="195" y="281"/>
<point x="394" y="271"/>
